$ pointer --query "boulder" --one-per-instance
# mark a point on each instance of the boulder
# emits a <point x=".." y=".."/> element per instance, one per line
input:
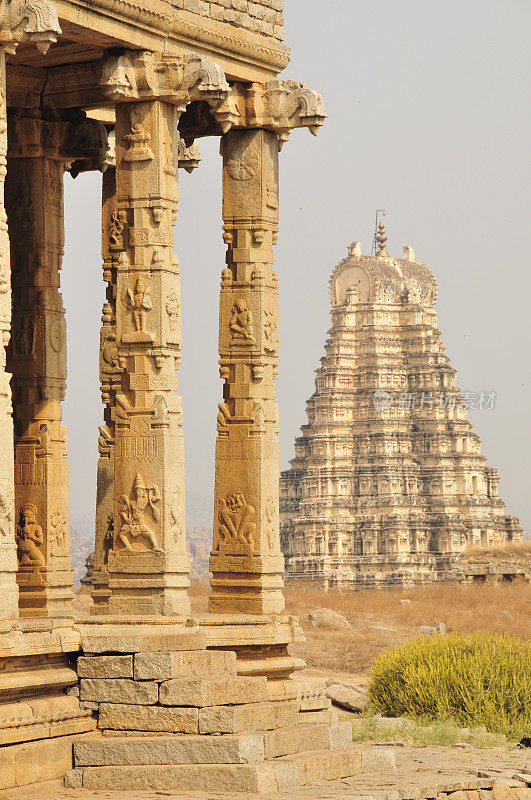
<point x="349" y="697"/>
<point x="326" y="618"/>
<point x="440" y="626"/>
<point x="427" y="630"/>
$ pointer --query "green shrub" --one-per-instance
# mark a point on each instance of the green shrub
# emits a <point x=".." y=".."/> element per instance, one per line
<point x="475" y="679"/>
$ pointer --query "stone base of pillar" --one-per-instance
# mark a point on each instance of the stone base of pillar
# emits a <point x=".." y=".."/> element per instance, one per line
<point x="154" y="584"/>
<point x="260" y="642"/>
<point x="246" y="583"/>
<point x="45" y="593"/>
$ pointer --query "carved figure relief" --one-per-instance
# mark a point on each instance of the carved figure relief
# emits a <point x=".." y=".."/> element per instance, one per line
<point x="271" y="518"/>
<point x="236" y="519"/>
<point x="174" y="515"/>
<point x="135" y="512"/>
<point x="116" y="231"/>
<point x="169" y="167"/>
<point x="6" y="517"/>
<point x="22" y="339"/>
<point x="30" y="538"/>
<point x="108" y="539"/>
<point x="223" y="417"/>
<point x="241" y="323"/>
<point x="138" y="301"/>
<point x="4" y="275"/>
<point x="157" y="212"/>
<point x="173" y="308"/>
<point x="138" y="140"/>
<point x="58" y="529"/>
<point x="243" y="163"/>
<point x="270" y="332"/>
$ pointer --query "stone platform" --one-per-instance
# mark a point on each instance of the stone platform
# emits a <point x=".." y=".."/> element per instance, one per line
<point x="173" y="714"/>
<point x="39" y="719"/>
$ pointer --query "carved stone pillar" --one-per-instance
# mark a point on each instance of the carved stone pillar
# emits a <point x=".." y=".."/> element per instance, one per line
<point x="246" y="560"/>
<point x="8" y="550"/>
<point x="38" y="151"/>
<point x="38" y="23"/>
<point x="141" y="564"/>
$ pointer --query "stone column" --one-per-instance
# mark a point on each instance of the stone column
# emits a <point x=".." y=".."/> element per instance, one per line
<point x="8" y="550"/>
<point x="246" y="560"/>
<point x="37" y="358"/>
<point x="141" y="564"/>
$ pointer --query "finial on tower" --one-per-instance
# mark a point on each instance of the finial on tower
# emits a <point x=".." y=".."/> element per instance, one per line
<point x="381" y="238"/>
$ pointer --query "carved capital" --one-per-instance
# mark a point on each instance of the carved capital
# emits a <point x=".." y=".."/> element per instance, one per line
<point x="28" y="20"/>
<point x="278" y="106"/>
<point x="188" y="157"/>
<point x="179" y="80"/>
<point x="75" y="139"/>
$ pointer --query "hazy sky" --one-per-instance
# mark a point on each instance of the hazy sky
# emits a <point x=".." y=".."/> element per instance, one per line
<point x="429" y="118"/>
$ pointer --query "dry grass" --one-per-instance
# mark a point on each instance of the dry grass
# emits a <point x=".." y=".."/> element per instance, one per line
<point x="522" y="550"/>
<point x="380" y="621"/>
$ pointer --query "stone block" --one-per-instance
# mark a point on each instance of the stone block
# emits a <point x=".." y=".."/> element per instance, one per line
<point x="328" y="765"/>
<point x="73" y="779"/>
<point x="105" y="667"/>
<point x="168" y="750"/>
<point x="146" y="639"/>
<point x="326" y="715"/>
<point x="282" y="690"/>
<point x="249" y="717"/>
<point x="203" y="692"/>
<point x="117" y="716"/>
<point x="31" y="762"/>
<point x="340" y="735"/>
<point x="119" y="690"/>
<point x="218" y="778"/>
<point x="296" y="739"/>
<point x="315" y="703"/>
<point x="378" y="759"/>
<point x="194" y="664"/>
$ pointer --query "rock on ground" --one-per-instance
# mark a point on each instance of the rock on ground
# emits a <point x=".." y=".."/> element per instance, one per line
<point x="326" y="618"/>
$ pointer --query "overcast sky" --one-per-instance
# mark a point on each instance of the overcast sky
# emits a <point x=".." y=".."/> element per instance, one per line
<point x="429" y="118"/>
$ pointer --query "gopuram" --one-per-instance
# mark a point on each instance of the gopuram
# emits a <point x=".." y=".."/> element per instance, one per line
<point x="388" y="485"/>
<point x="141" y="695"/>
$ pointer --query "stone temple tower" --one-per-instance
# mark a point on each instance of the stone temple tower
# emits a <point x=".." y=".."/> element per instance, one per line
<point x="388" y="484"/>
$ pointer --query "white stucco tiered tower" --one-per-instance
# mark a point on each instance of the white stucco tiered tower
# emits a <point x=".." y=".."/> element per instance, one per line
<point x="388" y="484"/>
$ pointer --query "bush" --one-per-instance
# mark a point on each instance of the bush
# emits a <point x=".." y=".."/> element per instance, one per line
<point x="475" y="679"/>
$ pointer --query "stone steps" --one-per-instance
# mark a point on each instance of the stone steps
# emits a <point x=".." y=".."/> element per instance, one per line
<point x="269" y="776"/>
<point x="242" y="748"/>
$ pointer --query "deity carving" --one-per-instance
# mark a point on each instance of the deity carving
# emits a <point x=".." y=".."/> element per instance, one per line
<point x="241" y="323"/>
<point x="136" y="512"/>
<point x="116" y="231"/>
<point x="138" y="141"/>
<point x="138" y="301"/>
<point x="173" y="311"/>
<point x="30" y="538"/>
<point x="6" y="517"/>
<point x="169" y="167"/>
<point x="22" y="339"/>
<point x="270" y="332"/>
<point x="236" y="519"/>
<point x="4" y="275"/>
<point x="108" y="539"/>
<point x="58" y="529"/>
<point x="271" y="516"/>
